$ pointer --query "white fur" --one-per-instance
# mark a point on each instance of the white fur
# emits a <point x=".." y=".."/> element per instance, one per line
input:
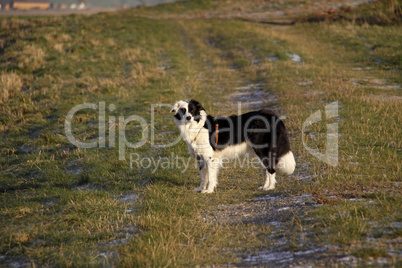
<point x="197" y="140"/>
<point x="269" y="181"/>
<point x="232" y="151"/>
<point x="287" y="163"/>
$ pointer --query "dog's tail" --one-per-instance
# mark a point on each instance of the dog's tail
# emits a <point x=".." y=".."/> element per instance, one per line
<point x="286" y="163"/>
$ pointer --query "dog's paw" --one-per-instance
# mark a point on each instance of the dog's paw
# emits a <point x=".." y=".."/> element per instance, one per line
<point x="266" y="188"/>
<point x="207" y="191"/>
<point x="197" y="189"/>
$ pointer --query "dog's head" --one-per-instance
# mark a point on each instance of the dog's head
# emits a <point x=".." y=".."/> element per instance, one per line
<point x="187" y="112"/>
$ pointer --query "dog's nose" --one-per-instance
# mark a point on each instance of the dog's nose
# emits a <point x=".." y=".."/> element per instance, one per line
<point x="188" y="118"/>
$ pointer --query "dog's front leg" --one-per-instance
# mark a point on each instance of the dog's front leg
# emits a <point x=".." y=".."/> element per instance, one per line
<point x="204" y="179"/>
<point x="213" y="169"/>
<point x="203" y="173"/>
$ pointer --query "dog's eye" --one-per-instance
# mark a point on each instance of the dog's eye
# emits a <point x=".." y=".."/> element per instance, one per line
<point x="182" y="110"/>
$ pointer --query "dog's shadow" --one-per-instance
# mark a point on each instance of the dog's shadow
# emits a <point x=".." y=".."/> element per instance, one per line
<point x="169" y="181"/>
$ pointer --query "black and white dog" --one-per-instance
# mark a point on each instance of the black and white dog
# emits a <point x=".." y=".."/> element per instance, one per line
<point x="210" y="139"/>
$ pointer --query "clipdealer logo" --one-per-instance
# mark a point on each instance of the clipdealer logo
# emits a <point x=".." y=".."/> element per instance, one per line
<point x="331" y="155"/>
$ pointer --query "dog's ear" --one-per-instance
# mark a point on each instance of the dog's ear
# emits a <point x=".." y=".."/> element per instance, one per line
<point x="175" y="107"/>
<point x="197" y="105"/>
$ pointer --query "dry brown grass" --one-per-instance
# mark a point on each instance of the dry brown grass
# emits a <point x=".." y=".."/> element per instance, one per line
<point x="134" y="54"/>
<point x="142" y="74"/>
<point x="10" y="84"/>
<point x="30" y="57"/>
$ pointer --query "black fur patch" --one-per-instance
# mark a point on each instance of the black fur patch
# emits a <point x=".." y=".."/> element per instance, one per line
<point x="201" y="162"/>
<point x="263" y="130"/>
<point x="194" y="108"/>
<point x="180" y="113"/>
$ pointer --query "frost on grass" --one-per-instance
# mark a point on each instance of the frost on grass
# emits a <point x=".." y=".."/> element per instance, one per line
<point x="294" y="57"/>
<point x="252" y="97"/>
<point x="376" y="83"/>
<point x="75" y="167"/>
<point x="131" y="198"/>
<point x="264" y="209"/>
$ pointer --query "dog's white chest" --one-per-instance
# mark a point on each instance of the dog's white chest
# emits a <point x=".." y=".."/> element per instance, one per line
<point x="200" y="142"/>
<point x="196" y="137"/>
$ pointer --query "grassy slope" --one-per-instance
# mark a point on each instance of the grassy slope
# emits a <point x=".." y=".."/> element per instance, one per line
<point x="55" y="209"/>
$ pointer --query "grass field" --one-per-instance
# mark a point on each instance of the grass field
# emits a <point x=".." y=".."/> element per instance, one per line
<point x="69" y="206"/>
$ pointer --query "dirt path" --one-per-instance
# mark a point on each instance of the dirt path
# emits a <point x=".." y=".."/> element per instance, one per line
<point x="276" y="210"/>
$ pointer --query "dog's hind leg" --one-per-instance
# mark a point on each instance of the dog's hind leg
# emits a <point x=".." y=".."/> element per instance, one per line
<point x="269" y="180"/>
<point x="267" y="159"/>
<point x="213" y="170"/>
